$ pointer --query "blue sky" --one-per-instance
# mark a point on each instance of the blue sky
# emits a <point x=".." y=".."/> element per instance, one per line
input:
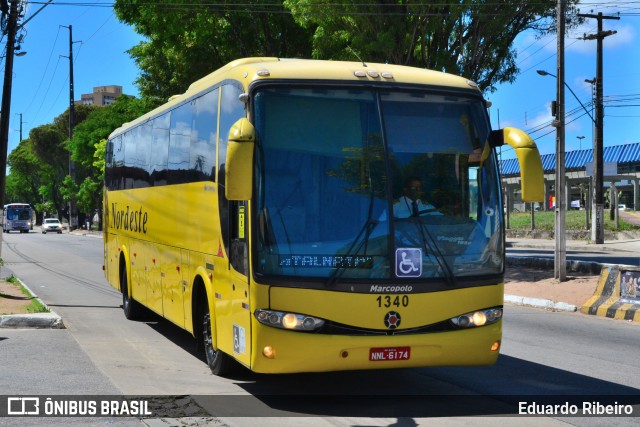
<point x="41" y="78"/>
<point x="526" y="103"/>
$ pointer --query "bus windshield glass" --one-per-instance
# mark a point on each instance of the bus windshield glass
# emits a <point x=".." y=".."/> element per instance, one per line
<point x="21" y="213"/>
<point x="365" y="184"/>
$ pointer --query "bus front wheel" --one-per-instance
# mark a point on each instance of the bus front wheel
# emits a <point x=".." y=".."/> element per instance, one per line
<point x="219" y="362"/>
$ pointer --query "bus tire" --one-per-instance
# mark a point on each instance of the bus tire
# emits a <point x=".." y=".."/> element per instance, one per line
<point x="130" y="307"/>
<point x="220" y="363"/>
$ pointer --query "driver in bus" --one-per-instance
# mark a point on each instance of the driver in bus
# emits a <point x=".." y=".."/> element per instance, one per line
<point x="410" y="204"/>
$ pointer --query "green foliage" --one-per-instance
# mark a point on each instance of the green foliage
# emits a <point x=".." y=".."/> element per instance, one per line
<point x="40" y="164"/>
<point x="69" y="189"/>
<point x="24" y="183"/>
<point x="575" y="220"/>
<point x="187" y="40"/>
<point x="464" y="37"/>
<point x="89" y="195"/>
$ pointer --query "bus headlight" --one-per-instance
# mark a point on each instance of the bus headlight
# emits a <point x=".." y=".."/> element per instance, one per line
<point x="478" y="318"/>
<point x="291" y="321"/>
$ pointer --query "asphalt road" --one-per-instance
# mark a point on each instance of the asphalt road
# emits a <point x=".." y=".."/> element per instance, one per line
<point x="569" y="355"/>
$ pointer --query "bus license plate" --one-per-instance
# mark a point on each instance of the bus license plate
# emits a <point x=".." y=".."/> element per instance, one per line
<point x="389" y="353"/>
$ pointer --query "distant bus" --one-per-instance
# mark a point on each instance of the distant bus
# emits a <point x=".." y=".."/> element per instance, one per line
<point x="258" y="211"/>
<point x="18" y="217"/>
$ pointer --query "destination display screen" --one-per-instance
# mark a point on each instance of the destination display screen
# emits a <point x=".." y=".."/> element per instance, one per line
<point x="326" y="261"/>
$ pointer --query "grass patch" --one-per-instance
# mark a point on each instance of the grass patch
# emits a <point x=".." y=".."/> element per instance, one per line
<point x="575" y="220"/>
<point x="35" y="306"/>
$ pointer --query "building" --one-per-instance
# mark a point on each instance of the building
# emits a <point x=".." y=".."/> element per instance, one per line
<point x="621" y="173"/>
<point x="101" y="96"/>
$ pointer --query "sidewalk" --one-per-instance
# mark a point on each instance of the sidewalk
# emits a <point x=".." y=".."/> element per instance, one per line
<point x="529" y="280"/>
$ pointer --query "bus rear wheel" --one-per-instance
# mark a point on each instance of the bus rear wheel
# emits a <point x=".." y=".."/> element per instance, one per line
<point x="130" y="306"/>
<point x="220" y="363"/>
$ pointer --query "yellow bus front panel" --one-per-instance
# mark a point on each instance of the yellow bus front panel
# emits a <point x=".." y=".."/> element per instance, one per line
<point x="368" y="310"/>
<point x="364" y="314"/>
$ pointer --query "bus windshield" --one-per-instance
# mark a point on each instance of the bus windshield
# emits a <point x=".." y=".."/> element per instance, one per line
<point x="365" y="184"/>
<point x="18" y="214"/>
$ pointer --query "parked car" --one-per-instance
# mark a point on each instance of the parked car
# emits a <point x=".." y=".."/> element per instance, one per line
<point x="622" y="207"/>
<point x="51" y="224"/>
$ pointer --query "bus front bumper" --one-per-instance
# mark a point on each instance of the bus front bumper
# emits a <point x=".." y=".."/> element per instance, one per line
<point x="281" y="351"/>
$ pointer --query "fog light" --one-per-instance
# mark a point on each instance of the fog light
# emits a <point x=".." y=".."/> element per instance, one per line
<point x="269" y="352"/>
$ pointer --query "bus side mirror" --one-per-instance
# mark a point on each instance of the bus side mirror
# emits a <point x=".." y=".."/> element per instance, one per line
<point x="531" y="172"/>
<point x="239" y="161"/>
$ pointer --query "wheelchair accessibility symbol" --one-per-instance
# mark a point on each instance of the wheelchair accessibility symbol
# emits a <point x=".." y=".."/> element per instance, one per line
<point x="408" y="262"/>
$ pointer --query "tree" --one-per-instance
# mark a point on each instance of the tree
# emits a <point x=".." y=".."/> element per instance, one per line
<point x="88" y="142"/>
<point x="470" y="38"/>
<point x="24" y="181"/>
<point x="187" y="40"/>
<point x="47" y="142"/>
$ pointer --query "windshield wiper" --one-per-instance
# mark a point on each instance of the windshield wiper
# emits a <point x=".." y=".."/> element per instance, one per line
<point x="429" y="244"/>
<point x="367" y="228"/>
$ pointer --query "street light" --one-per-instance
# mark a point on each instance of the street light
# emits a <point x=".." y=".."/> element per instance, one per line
<point x="580" y="138"/>
<point x="560" y="253"/>
<point x="546" y="73"/>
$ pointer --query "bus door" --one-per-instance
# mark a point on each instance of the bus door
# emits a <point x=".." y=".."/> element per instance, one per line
<point x="233" y="312"/>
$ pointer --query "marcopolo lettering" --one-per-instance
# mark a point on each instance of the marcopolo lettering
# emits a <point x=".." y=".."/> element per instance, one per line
<point x="128" y="219"/>
<point x="390" y="289"/>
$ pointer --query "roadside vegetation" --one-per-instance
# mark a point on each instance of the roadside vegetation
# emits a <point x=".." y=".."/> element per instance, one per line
<point x="575" y="221"/>
<point x="17" y="298"/>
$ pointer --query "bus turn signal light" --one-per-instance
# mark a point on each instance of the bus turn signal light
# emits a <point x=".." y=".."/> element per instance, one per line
<point x="269" y="352"/>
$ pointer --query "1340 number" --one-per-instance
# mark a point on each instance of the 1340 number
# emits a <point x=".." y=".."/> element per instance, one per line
<point x="395" y="301"/>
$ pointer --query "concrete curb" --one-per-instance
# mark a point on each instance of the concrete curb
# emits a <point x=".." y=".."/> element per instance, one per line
<point x="540" y="303"/>
<point x="37" y="320"/>
<point x="587" y="267"/>
<point x="50" y="320"/>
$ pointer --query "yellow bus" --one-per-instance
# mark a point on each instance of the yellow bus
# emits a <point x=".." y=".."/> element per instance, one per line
<point x="262" y="211"/>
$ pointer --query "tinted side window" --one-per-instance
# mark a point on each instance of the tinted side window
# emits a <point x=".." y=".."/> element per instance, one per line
<point x="159" y="150"/>
<point x="204" y="134"/>
<point x="179" y="143"/>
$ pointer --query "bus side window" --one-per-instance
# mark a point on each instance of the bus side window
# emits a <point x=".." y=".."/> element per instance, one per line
<point x="239" y="254"/>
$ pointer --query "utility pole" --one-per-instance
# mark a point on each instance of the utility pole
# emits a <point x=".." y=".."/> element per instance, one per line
<point x="597" y="214"/>
<point x="560" y="258"/>
<point x="12" y="27"/>
<point x="73" y="215"/>
<point x="21" y="122"/>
